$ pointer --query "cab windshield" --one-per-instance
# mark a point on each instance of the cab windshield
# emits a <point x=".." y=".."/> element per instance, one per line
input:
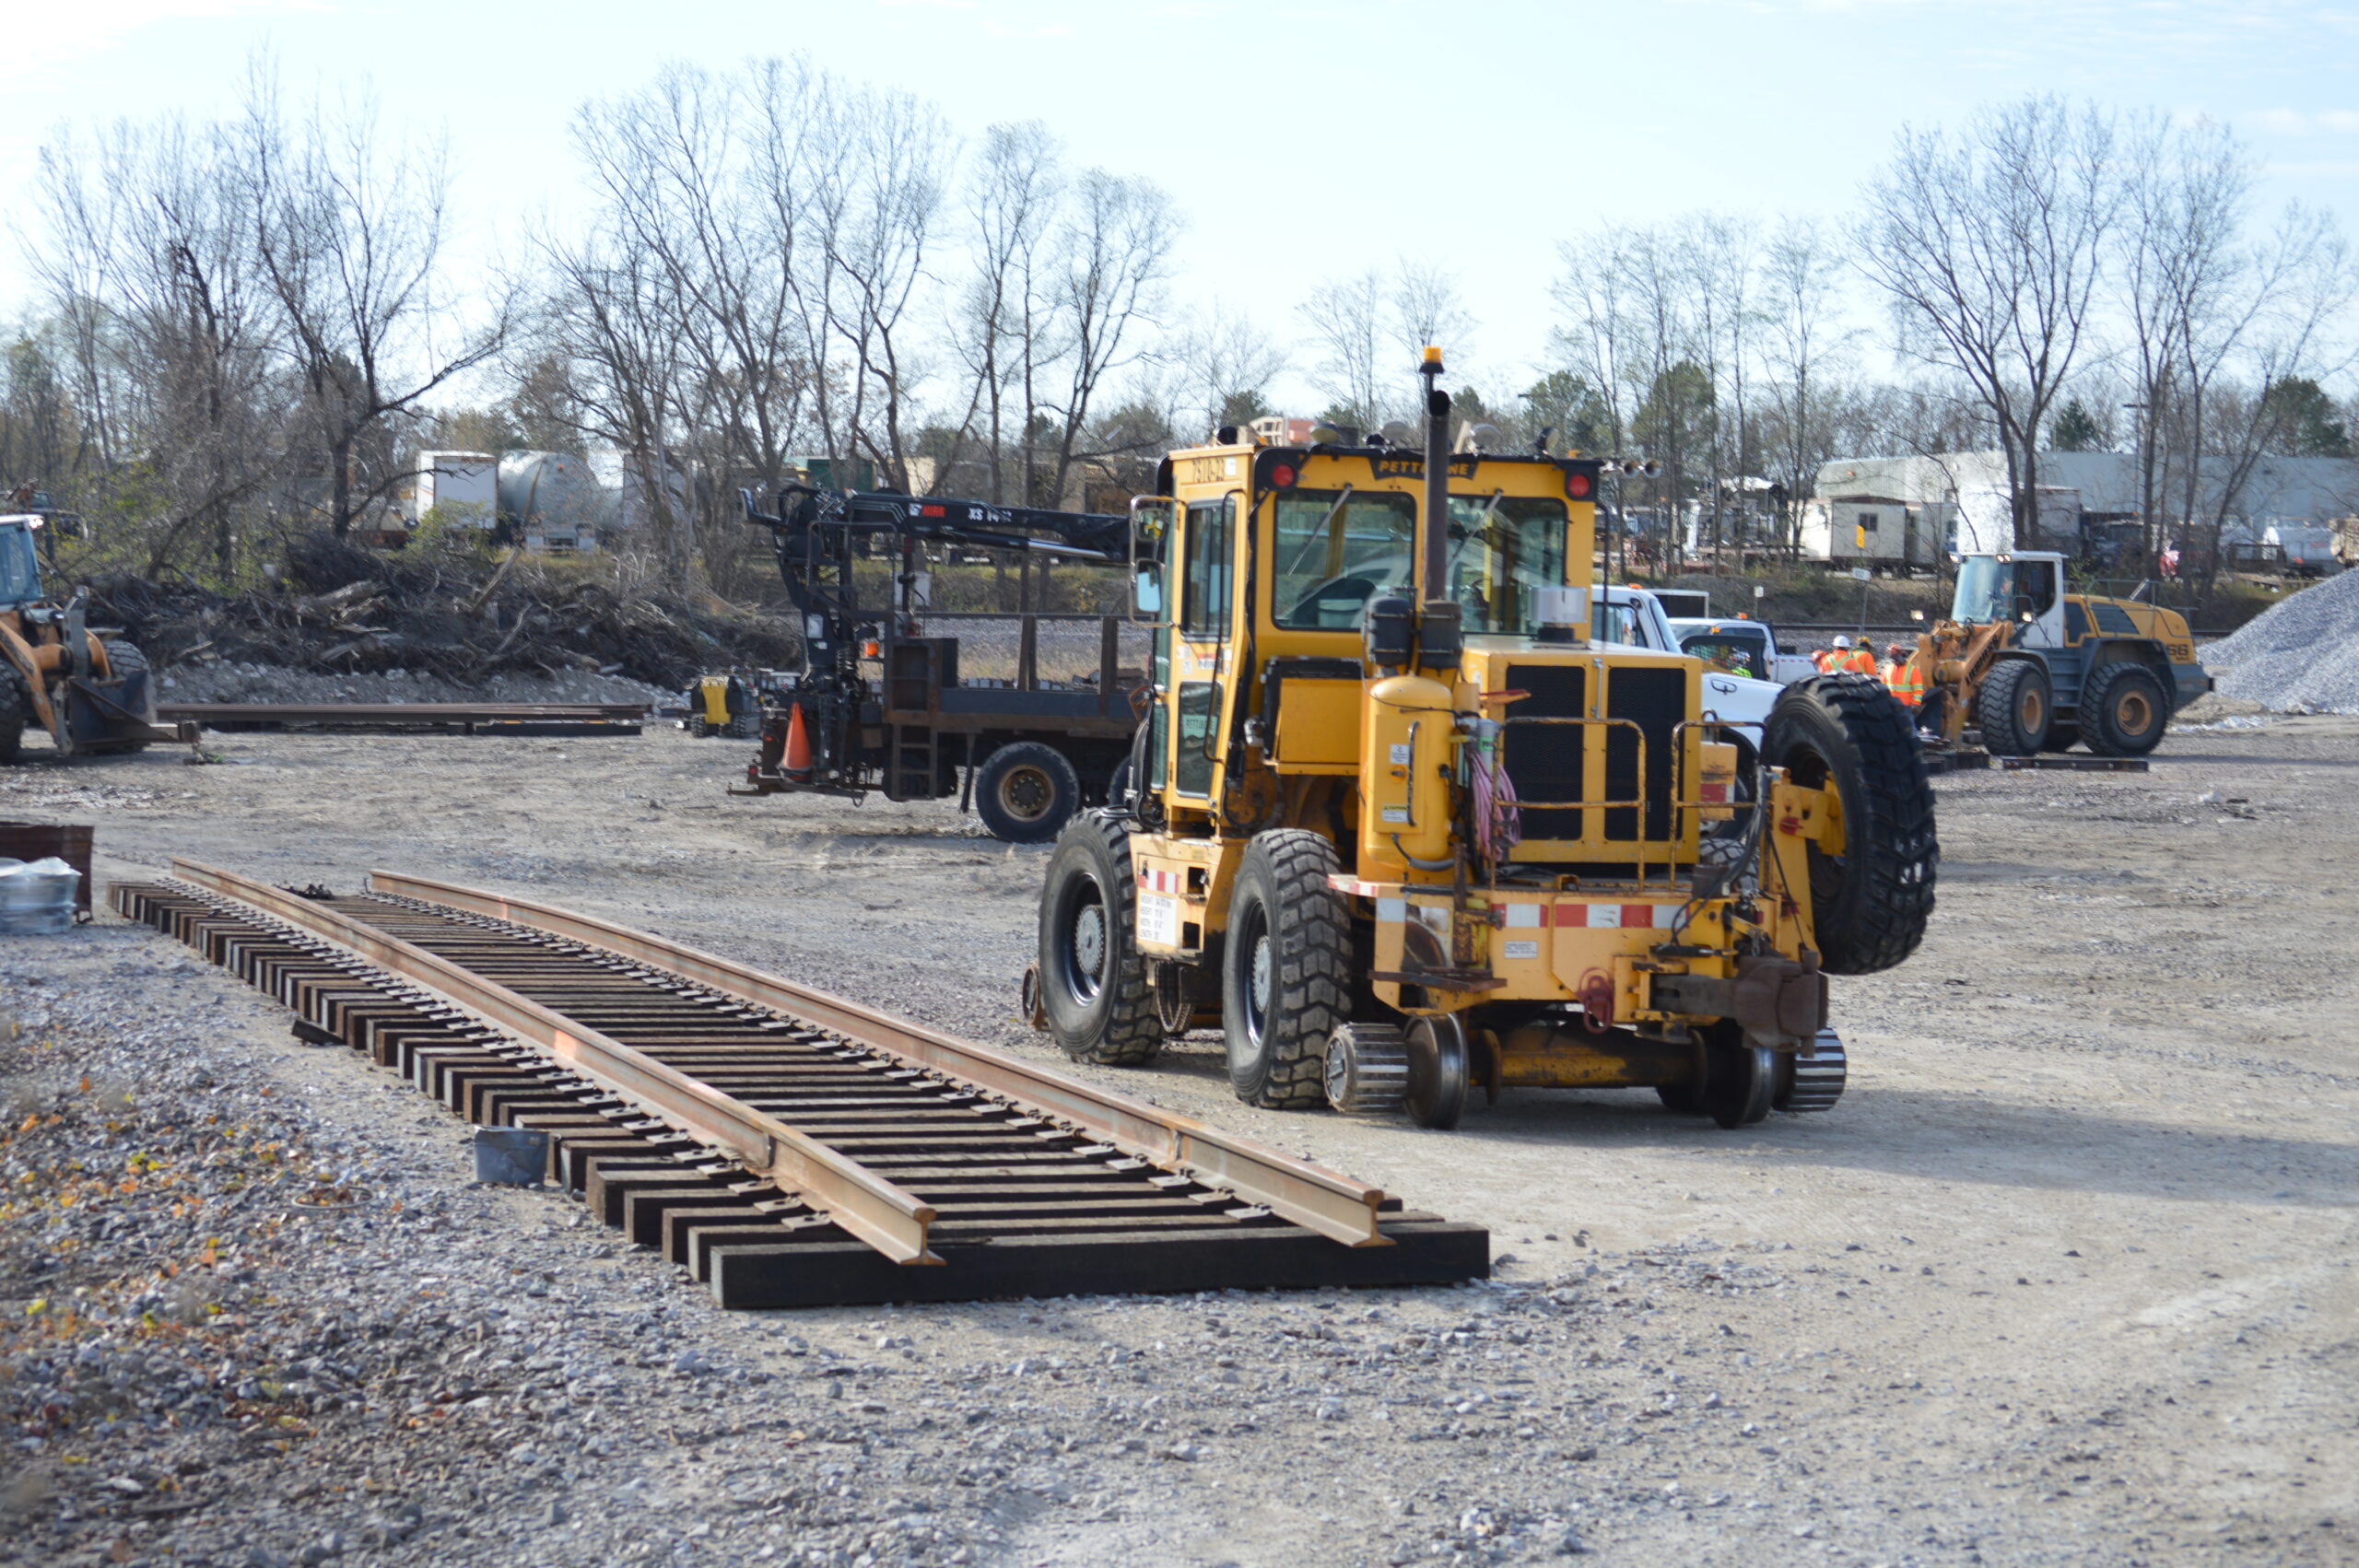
<point x="1333" y="558"/>
<point x="19" y="573"/>
<point x="1991" y="589"/>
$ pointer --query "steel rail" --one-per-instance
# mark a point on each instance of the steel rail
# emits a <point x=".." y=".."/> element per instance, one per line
<point x="1309" y="1194"/>
<point x="866" y="1205"/>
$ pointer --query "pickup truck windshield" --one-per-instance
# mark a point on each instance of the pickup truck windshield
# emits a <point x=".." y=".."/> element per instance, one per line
<point x="19" y="573"/>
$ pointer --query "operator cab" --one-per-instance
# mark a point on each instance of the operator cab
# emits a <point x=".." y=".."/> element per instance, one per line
<point x="2013" y="586"/>
<point x="20" y="568"/>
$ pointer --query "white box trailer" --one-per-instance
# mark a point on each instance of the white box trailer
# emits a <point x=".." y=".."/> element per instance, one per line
<point x="1869" y="531"/>
<point x="464" y="487"/>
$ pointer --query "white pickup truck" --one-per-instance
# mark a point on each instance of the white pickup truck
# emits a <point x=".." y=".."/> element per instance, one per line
<point x="1633" y="616"/>
<point x="1750" y="644"/>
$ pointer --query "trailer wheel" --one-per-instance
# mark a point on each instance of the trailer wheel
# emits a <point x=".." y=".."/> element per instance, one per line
<point x="2014" y="708"/>
<point x="1870" y="904"/>
<point x="1285" y="969"/>
<point x="2123" y="710"/>
<point x="1093" y="983"/>
<point x="1026" y="791"/>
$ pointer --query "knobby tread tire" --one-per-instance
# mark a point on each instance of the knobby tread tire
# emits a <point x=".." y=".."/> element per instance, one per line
<point x="1994" y="710"/>
<point x="1129" y="1033"/>
<point x="1870" y="912"/>
<point x="2096" y="715"/>
<point x="15" y="711"/>
<point x="1310" y="932"/>
<point x="1064" y="791"/>
<point x="124" y="660"/>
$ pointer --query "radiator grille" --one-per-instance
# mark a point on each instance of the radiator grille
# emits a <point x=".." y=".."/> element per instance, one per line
<point x="1544" y="760"/>
<point x="1657" y="701"/>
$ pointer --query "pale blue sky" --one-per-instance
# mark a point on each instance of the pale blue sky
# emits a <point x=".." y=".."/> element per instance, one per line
<point x="1452" y="131"/>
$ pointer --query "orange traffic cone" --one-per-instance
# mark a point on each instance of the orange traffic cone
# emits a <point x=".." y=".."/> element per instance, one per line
<point x="797" y="760"/>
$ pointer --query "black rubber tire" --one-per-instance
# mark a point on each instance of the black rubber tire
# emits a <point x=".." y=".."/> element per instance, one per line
<point x="2014" y="708"/>
<point x="2124" y="710"/>
<point x="1869" y="904"/>
<point x="15" y="713"/>
<point x="1285" y="969"/>
<point x="124" y="660"/>
<point x="2062" y="737"/>
<point x="1098" y="1005"/>
<point x="699" y="727"/>
<point x="1025" y="792"/>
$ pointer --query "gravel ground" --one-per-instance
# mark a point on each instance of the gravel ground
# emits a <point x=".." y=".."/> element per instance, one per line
<point x="228" y="680"/>
<point x="2065" y="1278"/>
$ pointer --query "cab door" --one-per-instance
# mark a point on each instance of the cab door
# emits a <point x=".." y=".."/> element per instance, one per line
<point x="1198" y="664"/>
<point x="2039" y="602"/>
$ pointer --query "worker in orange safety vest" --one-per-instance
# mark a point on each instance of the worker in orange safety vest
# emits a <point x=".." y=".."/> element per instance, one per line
<point x="1863" y="661"/>
<point x="1903" y="678"/>
<point x="1830" y="659"/>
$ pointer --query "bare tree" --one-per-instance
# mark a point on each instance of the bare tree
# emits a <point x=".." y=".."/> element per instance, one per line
<point x="1988" y="244"/>
<point x="1114" y="257"/>
<point x="149" y="263"/>
<point x="1721" y="254"/>
<point x="1225" y="364"/>
<point x="1427" y="307"/>
<point x="1012" y="205"/>
<point x="1801" y="284"/>
<point x="1346" y="320"/>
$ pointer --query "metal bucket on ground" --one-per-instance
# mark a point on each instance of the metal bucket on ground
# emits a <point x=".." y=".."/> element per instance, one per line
<point x="37" y="899"/>
<point x="511" y="1156"/>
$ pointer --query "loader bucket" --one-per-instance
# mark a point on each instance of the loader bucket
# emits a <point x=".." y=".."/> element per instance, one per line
<point x="103" y="714"/>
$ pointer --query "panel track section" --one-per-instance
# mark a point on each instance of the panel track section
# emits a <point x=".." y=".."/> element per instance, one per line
<point x="1018" y="1202"/>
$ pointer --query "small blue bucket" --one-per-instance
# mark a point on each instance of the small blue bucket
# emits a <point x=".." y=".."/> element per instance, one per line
<point x="511" y="1156"/>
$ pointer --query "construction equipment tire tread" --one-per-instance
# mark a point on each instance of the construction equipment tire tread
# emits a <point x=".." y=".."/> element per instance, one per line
<point x="15" y="711"/>
<point x="1056" y="771"/>
<point x="1310" y="979"/>
<point x="2098" y="697"/>
<point x="1997" y="710"/>
<point x="1870" y="909"/>
<point x="1119" y="1026"/>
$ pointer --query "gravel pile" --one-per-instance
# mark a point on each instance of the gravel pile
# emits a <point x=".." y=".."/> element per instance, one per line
<point x="2301" y="656"/>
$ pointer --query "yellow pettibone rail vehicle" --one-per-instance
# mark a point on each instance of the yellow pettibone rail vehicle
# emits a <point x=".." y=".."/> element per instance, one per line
<point x="1398" y="847"/>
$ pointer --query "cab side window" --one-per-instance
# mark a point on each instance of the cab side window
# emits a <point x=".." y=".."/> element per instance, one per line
<point x="1210" y="560"/>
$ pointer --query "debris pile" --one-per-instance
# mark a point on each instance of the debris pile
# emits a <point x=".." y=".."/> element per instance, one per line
<point x="2296" y="658"/>
<point x="435" y="627"/>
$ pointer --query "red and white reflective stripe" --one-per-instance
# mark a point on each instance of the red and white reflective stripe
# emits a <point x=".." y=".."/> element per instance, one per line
<point x="1158" y="881"/>
<point x="1608" y="916"/>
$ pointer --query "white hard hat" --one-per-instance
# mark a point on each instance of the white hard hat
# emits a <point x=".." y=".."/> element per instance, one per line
<point x="1842" y="642"/>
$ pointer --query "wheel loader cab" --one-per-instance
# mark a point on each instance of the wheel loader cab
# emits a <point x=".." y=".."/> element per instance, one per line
<point x="1401" y="827"/>
<point x="2025" y="589"/>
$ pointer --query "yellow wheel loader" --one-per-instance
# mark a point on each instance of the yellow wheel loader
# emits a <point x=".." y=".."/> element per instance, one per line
<point x="91" y="695"/>
<point x="1400" y="829"/>
<point x="2035" y="668"/>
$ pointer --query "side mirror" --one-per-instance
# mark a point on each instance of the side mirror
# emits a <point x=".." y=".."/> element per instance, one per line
<point x="1151" y="525"/>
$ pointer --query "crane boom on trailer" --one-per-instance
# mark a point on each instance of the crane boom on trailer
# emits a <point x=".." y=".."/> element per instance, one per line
<point x="1029" y="752"/>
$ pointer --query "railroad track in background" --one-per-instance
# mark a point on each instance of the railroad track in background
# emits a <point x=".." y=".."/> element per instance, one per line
<point x="581" y="718"/>
<point x="787" y="1147"/>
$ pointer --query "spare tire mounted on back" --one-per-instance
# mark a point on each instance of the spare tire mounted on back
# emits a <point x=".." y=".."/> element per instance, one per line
<point x="1868" y="904"/>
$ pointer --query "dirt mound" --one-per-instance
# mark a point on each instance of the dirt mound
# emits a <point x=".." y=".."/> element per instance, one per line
<point x="2297" y="658"/>
<point x="455" y="619"/>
